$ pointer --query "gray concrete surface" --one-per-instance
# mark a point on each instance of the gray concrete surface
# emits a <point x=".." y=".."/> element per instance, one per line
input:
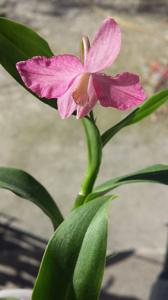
<point x="35" y="139"/>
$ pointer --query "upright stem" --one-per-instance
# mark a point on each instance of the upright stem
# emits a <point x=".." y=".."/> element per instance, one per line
<point x="94" y="146"/>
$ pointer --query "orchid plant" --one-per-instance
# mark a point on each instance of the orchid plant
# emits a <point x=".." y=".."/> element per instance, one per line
<point x="73" y="264"/>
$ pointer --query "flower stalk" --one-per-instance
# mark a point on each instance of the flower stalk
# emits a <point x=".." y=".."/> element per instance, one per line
<point x="94" y="146"/>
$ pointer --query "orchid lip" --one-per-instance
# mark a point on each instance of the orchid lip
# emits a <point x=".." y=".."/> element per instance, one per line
<point x="80" y="94"/>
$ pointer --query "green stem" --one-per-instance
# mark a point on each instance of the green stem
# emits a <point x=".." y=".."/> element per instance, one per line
<point x="94" y="146"/>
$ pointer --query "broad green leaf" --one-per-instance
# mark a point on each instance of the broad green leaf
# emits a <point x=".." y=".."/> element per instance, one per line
<point x="148" y="107"/>
<point x="94" y="147"/>
<point x="153" y="174"/>
<point x="27" y="187"/>
<point x="18" y="42"/>
<point x="55" y="278"/>
<point x="90" y="264"/>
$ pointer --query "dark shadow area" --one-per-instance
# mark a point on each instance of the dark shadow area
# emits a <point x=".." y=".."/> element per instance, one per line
<point x="20" y="255"/>
<point x="106" y="296"/>
<point x="119" y="257"/>
<point x="114" y="259"/>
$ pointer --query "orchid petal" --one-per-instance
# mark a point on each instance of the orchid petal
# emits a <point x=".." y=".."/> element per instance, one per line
<point x="123" y="91"/>
<point x="84" y="110"/>
<point x="49" y="77"/>
<point x="66" y="103"/>
<point x="105" y="47"/>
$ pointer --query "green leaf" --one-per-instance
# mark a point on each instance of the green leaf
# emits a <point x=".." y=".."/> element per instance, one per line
<point x="27" y="187"/>
<point x="153" y="174"/>
<point x="89" y="268"/>
<point x="17" y="43"/>
<point x="66" y="251"/>
<point x="94" y="147"/>
<point x="148" y="107"/>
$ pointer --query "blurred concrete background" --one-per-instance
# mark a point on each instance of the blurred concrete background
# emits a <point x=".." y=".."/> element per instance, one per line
<point x="34" y="138"/>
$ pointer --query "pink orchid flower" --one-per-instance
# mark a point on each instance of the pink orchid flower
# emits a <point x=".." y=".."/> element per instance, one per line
<point x="79" y="84"/>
